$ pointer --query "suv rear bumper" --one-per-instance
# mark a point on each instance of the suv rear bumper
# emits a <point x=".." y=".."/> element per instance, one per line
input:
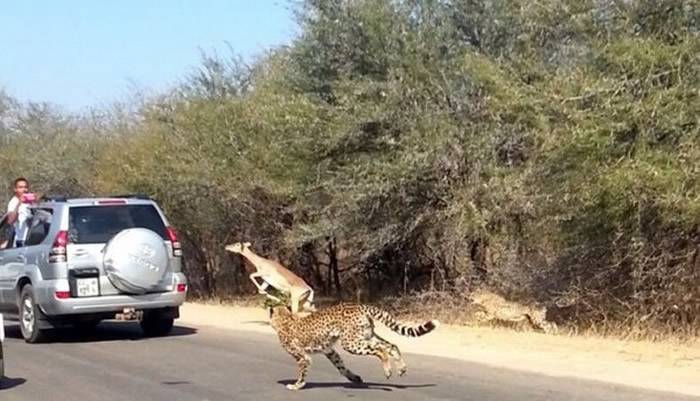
<point x="51" y="306"/>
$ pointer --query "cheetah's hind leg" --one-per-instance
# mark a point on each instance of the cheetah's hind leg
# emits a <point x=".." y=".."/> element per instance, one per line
<point x="392" y="350"/>
<point x="364" y="347"/>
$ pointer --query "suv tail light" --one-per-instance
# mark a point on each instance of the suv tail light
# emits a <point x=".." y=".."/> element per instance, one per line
<point x="58" y="249"/>
<point x="172" y="237"/>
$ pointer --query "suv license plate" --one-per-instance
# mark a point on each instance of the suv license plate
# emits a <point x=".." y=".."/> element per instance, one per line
<point x="87" y="287"/>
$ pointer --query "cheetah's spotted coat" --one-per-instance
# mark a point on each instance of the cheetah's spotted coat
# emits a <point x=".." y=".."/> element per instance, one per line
<point x="352" y="325"/>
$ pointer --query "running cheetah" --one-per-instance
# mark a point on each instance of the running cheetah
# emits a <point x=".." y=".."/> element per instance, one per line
<point x="353" y="325"/>
<point x="498" y="311"/>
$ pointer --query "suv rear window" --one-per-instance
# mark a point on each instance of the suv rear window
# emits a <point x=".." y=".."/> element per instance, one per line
<point x="97" y="224"/>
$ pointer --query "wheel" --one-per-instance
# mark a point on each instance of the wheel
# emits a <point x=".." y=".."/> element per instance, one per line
<point x="29" y="316"/>
<point x="156" y="326"/>
<point x="2" y="363"/>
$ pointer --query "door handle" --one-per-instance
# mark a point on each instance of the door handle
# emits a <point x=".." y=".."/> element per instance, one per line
<point x="21" y="259"/>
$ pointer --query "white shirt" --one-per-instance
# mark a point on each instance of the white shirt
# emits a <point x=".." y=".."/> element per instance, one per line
<point x="23" y="214"/>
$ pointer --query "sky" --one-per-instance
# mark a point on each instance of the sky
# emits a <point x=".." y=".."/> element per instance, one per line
<point x="81" y="53"/>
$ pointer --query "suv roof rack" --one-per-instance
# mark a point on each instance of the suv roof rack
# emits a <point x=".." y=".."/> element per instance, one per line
<point x="63" y="198"/>
<point x="54" y="198"/>
<point x="134" y="195"/>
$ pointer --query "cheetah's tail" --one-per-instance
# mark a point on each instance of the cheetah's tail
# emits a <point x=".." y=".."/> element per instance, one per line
<point x="405" y="330"/>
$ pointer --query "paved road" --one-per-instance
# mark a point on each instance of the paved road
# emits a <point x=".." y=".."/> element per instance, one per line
<point x="115" y="363"/>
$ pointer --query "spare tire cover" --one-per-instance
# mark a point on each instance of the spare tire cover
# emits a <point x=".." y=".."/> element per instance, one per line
<point x="136" y="260"/>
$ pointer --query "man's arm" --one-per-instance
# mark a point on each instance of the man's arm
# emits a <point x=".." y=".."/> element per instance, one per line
<point x="13" y="210"/>
<point x="11" y="217"/>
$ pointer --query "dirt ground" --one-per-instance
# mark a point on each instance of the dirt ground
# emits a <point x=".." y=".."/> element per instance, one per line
<point x="660" y="366"/>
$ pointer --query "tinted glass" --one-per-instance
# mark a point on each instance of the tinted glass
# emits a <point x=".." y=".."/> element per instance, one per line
<point x="39" y="225"/>
<point x="97" y="224"/>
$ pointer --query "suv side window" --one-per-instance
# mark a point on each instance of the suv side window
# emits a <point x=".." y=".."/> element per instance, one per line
<point x="7" y="234"/>
<point x="39" y="226"/>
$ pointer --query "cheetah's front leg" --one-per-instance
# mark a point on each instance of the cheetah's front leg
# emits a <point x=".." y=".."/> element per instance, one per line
<point x="303" y="361"/>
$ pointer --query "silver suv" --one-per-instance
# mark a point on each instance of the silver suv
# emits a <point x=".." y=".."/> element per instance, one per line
<point x="89" y="259"/>
<point x="2" y="342"/>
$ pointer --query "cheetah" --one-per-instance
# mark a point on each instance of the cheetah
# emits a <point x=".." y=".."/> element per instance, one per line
<point x="498" y="311"/>
<point x="353" y="325"/>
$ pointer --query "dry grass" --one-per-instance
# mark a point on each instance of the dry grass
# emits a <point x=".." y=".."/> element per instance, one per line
<point x="238" y="300"/>
<point x="443" y="306"/>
